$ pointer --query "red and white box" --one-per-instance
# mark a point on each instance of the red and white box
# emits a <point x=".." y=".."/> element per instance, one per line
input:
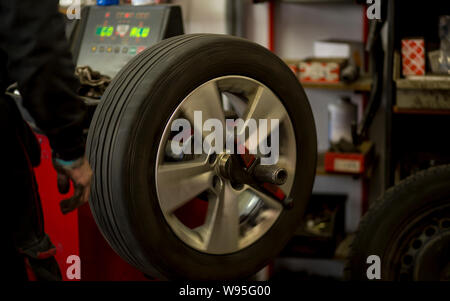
<point x="344" y="163"/>
<point x="320" y="70"/>
<point x="357" y="163"/>
<point x="413" y="57"/>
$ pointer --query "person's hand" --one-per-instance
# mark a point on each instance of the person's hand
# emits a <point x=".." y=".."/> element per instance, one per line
<point x="79" y="173"/>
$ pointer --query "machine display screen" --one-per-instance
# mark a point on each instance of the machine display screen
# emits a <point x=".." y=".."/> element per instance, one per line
<point x="112" y="35"/>
<point x="135" y="32"/>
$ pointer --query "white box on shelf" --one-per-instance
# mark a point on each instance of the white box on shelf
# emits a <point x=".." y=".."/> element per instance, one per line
<point x="351" y="50"/>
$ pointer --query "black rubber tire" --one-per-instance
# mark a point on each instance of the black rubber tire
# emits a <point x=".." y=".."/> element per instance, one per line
<point x="122" y="147"/>
<point x="402" y="209"/>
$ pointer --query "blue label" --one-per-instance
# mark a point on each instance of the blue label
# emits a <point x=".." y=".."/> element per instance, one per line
<point x="107" y="2"/>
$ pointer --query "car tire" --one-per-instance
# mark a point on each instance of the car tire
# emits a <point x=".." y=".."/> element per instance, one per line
<point x="122" y="145"/>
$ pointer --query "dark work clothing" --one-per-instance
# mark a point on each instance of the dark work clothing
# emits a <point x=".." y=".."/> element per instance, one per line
<point x="22" y="213"/>
<point x="35" y="54"/>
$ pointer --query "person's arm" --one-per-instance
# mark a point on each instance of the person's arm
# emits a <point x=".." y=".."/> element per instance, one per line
<point x="33" y="36"/>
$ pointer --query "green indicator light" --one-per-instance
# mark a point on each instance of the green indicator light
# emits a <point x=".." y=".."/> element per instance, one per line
<point x="133" y="50"/>
<point x="134" y="32"/>
<point x="106" y="31"/>
<point x="139" y="32"/>
<point x="98" y="31"/>
<point x="110" y="31"/>
<point x="145" y="31"/>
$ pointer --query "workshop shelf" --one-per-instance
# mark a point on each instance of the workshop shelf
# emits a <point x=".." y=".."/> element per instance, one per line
<point x="363" y="84"/>
<point x="398" y="110"/>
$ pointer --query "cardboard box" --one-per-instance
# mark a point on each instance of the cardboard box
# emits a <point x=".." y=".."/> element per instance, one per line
<point x="320" y="70"/>
<point x="423" y="92"/>
<point x="423" y="99"/>
<point x="353" y="51"/>
<point x="350" y="163"/>
<point x="413" y="57"/>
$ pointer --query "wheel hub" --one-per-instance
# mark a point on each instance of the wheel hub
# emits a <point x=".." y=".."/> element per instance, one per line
<point x="233" y="168"/>
<point x="427" y="255"/>
<point x="432" y="261"/>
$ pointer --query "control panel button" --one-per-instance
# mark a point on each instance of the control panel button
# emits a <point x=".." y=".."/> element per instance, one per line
<point x="124" y="49"/>
<point x="140" y="49"/>
<point x="133" y="50"/>
<point x="117" y="49"/>
<point x="102" y="49"/>
<point x="94" y="48"/>
<point x="109" y="49"/>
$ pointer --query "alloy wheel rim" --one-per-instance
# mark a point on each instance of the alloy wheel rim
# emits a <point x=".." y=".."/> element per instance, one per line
<point x="236" y="216"/>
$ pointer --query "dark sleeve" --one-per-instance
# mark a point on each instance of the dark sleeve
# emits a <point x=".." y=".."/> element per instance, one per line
<point x="33" y="36"/>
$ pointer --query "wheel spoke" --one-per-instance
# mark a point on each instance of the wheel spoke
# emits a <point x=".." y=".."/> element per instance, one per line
<point x="264" y="106"/>
<point x="267" y="199"/>
<point x="223" y="224"/>
<point x="237" y="103"/>
<point x="206" y="99"/>
<point x="178" y="183"/>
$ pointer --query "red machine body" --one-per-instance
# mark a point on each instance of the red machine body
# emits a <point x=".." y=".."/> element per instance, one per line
<point x="76" y="233"/>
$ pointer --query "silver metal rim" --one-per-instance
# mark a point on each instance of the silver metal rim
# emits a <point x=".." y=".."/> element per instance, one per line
<point x="236" y="217"/>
